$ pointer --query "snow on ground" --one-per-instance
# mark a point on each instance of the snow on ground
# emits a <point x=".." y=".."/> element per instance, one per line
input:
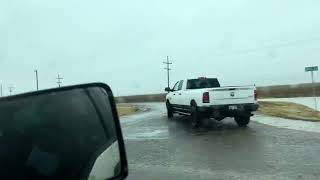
<point x="288" y="123"/>
<point x="307" y="101"/>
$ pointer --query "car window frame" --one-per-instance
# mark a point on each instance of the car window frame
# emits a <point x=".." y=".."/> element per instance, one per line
<point x="180" y="85"/>
<point x="176" y="86"/>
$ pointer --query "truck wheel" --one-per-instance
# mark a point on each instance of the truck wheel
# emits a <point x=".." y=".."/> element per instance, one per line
<point x="195" y="116"/>
<point x="242" y="121"/>
<point x="169" y="110"/>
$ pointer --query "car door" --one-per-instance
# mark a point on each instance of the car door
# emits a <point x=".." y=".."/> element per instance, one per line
<point x="184" y="99"/>
<point x="173" y="94"/>
<point x="179" y="95"/>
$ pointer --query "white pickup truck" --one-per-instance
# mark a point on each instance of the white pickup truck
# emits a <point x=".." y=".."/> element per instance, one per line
<point x="204" y="98"/>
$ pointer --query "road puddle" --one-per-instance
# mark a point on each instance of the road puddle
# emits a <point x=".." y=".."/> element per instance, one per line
<point x="154" y="134"/>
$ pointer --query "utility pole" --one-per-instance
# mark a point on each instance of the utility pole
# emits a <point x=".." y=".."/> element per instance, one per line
<point x="37" y="80"/>
<point x="1" y="89"/>
<point x="10" y="90"/>
<point x="59" y="80"/>
<point x="168" y="70"/>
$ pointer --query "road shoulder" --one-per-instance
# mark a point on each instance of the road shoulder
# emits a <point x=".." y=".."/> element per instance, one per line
<point x="287" y="123"/>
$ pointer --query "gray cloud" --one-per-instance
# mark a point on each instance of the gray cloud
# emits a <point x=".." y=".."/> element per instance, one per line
<point x="124" y="43"/>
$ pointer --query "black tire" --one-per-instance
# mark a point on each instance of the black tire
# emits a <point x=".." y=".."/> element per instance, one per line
<point x="195" y="116"/>
<point x="169" y="110"/>
<point x="242" y="121"/>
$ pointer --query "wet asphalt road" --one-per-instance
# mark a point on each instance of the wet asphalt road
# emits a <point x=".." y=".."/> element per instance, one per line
<point x="158" y="148"/>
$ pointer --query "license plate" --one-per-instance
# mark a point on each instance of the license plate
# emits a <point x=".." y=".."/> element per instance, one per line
<point x="233" y="107"/>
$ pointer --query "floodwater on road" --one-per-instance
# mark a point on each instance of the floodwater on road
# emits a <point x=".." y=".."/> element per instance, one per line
<point x="158" y="148"/>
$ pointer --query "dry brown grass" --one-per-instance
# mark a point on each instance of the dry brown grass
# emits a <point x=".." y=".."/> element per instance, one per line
<point x="126" y="109"/>
<point x="289" y="110"/>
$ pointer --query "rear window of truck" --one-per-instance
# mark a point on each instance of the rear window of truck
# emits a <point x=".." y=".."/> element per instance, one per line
<point x="202" y="83"/>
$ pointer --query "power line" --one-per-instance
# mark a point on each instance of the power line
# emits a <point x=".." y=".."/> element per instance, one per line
<point x="59" y="80"/>
<point x="168" y="70"/>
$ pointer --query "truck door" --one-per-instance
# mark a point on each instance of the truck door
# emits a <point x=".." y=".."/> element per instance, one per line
<point x="177" y="97"/>
<point x="179" y="93"/>
<point x="173" y="94"/>
<point x="184" y="94"/>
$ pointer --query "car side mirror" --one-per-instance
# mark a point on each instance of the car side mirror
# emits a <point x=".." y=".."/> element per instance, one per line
<point x="63" y="133"/>
<point x="168" y="89"/>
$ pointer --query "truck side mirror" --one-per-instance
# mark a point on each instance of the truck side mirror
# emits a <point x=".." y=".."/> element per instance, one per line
<point x="63" y="133"/>
<point x="168" y="89"/>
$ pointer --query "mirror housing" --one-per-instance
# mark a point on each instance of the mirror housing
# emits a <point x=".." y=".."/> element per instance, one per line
<point x="74" y="128"/>
<point x="168" y="89"/>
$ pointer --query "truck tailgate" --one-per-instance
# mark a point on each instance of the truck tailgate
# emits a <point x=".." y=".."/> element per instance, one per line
<point x="232" y="95"/>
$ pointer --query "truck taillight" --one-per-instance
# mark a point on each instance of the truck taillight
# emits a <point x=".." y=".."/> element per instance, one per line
<point x="206" y="97"/>
<point x="255" y="95"/>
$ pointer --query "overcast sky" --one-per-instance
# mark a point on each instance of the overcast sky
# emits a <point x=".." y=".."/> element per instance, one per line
<point x="123" y="43"/>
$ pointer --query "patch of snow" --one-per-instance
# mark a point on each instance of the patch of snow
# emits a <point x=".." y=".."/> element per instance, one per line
<point x="307" y="101"/>
<point x="288" y="123"/>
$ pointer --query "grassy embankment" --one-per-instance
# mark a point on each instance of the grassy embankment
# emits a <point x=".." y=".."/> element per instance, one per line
<point x="126" y="109"/>
<point x="289" y="110"/>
